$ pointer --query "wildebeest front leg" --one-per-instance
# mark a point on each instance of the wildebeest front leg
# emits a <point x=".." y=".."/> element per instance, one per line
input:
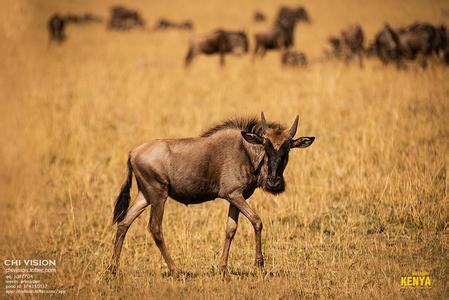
<point x="239" y="202"/>
<point x="222" y="58"/>
<point x="132" y="213"/>
<point x="155" y="227"/>
<point x="231" y="228"/>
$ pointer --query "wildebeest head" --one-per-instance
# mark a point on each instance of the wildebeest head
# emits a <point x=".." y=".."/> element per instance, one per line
<point x="287" y="17"/>
<point x="301" y="14"/>
<point x="277" y="144"/>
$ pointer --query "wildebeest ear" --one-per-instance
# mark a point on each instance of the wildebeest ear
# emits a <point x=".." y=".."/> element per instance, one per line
<point x="302" y="142"/>
<point x="252" y="138"/>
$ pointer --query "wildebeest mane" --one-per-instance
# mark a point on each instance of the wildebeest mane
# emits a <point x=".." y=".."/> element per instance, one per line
<point x="251" y="124"/>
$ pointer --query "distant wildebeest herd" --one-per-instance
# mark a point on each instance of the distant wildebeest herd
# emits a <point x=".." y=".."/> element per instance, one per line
<point x="419" y="41"/>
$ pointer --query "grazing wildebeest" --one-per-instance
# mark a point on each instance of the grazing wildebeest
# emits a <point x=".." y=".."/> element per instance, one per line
<point x="163" y="24"/>
<point x="56" y="28"/>
<point x="353" y="40"/>
<point x="293" y="58"/>
<point x="259" y="16"/>
<point x="228" y="161"/>
<point x="281" y="34"/>
<point x="387" y="46"/>
<point x="124" y="18"/>
<point x="219" y="41"/>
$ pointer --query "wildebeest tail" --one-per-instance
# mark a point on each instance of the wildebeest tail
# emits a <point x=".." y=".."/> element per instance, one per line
<point x="122" y="201"/>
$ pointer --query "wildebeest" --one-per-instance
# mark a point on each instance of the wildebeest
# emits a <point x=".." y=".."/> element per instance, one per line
<point x="228" y="161"/>
<point x="123" y="18"/>
<point x="163" y="24"/>
<point x="335" y="48"/>
<point x="417" y="41"/>
<point x="259" y="16"/>
<point x="294" y="58"/>
<point x="422" y="40"/>
<point x="416" y="44"/>
<point x="218" y="42"/>
<point x="281" y="34"/>
<point x="56" y="28"/>
<point x="353" y="40"/>
<point x="435" y="35"/>
<point x="270" y="39"/>
<point x="387" y="46"/>
<point x="348" y="45"/>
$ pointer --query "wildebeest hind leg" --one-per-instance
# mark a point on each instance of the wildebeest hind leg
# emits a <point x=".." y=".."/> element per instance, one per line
<point x="132" y="213"/>
<point x="155" y="228"/>
<point x="231" y="228"/>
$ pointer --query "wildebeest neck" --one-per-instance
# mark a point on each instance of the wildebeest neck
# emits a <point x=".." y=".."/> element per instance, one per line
<point x="256" y="153"/>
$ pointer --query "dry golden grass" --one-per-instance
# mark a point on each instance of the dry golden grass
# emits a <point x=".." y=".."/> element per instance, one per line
<point x="367" y="203"/>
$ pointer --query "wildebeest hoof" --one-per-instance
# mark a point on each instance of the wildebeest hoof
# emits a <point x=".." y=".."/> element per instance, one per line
<point x="112" y="269"/>
<point x="259" y="262"/>
<point x="224" y="272"/>
<point x="176" y="273"/>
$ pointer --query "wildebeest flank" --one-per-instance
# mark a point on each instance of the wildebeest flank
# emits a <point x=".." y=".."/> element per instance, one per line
<point x="163" y="24"/>
<point x="228" y="161"/>
<point x="217" y="42"/>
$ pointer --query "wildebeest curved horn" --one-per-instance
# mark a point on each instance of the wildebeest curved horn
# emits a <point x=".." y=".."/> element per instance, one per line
<point x="294" y="127"/>
<point x="264" y="123"/>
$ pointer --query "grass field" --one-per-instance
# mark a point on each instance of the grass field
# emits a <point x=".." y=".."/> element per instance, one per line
<point x="366" y="204"/>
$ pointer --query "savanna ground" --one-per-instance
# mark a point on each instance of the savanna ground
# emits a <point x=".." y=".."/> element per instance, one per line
<point x="365" y="204"/>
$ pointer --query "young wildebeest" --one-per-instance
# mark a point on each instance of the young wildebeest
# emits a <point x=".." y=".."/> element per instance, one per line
<point x="281" y="34"/>
<point x="294" y="58"/>
<point x="56" y="26"/>
<point x="163" y="24"/>
<point x="219" y="41"/>
<point x="228" y="161"/>
<point x="123" y="18"/>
